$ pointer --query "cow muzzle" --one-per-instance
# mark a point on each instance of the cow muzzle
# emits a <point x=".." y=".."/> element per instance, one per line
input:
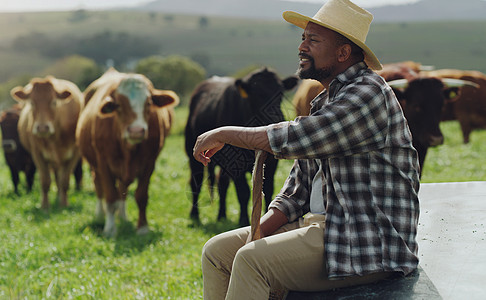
<point x="135" y="134"/>
<point x="9" y="146"/>
<point x="43" y="129"/>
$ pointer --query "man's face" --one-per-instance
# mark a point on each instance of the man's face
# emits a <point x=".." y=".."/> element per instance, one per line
<point x="317" y="53"/>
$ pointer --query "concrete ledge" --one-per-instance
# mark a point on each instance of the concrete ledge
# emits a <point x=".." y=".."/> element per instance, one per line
<point x="416" y="286"/>
<point x="452" y="250"/>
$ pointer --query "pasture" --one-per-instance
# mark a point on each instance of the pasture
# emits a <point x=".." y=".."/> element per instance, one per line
<point x="62" y="254"/>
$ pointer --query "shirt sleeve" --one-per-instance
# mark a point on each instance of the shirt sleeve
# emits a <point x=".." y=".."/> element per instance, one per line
<point x="293" y="199"/>
<point x="353" y="121"/>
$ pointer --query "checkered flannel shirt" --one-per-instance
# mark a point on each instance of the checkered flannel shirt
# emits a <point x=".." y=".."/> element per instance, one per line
<point x="358" y="131"/>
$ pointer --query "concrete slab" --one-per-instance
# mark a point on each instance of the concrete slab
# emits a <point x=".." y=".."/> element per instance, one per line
<point x="452" y="238"/>
<point x="416" y="286"/>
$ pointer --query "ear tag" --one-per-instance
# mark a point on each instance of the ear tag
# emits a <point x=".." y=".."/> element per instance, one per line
<point x="242" y="92"/>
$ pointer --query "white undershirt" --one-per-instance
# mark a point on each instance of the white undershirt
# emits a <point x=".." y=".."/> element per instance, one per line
<point x="316" y="198"/>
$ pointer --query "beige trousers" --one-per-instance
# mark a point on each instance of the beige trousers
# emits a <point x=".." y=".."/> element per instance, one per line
<point x="291" y="259"/>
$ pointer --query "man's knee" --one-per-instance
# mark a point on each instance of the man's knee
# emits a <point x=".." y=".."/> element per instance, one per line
<point x="247" y="257"/>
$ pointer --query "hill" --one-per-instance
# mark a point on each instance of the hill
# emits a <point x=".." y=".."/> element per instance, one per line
<point x="31" y="42"/>
<point x="425" y="10"/>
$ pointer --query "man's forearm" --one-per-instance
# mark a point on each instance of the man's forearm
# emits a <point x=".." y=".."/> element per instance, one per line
<point x="208" y="143"/>
<point x="253" y="138"/>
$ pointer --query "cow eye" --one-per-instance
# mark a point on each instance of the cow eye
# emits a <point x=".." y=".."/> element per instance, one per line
<point x="109" y="107"/>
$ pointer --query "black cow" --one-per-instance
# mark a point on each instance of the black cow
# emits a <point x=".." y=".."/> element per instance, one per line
<point x="220" y="101"/>
<point x="17" y="158"/>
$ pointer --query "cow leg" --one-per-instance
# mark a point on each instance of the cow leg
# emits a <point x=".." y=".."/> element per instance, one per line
<point x="466" y="131"/>
<point x="243" y="192"/>
<point x="45" y="181"/>
<point x="15" y="178"/>
<point x="29" y="175"/>
<point x="62" y="181"/>
<point x="78" y="174"/>
<point x="110" y="226"/>
<point x="223" y="184"/>
<point x="112" y="197"/>
<point x="99" y="211"/>
<point x="212" y="180"/>
<point x="141" y="197"/>
<point x="121" y="208"/>
<point x="197" y="177"/>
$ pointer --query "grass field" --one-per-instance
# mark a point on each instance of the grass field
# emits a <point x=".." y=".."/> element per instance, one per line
<point x="63" y="255"/>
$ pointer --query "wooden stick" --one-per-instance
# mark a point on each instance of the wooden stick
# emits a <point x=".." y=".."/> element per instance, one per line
<point x="257" y="194"/>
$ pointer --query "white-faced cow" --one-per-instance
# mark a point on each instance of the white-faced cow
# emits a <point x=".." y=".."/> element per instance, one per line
<point x="47" y="126"/>
<point x="120" y="133"/>
<point x="469" y="107"/>
<point x="220" y="101"/>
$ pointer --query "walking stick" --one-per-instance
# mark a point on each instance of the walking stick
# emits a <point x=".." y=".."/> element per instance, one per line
<point x="257" y="193"/>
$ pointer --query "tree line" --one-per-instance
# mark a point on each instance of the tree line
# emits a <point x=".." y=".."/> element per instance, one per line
<point x="178" y="73"/>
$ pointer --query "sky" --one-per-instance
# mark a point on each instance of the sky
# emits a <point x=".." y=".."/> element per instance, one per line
<point x="60" y="5"/>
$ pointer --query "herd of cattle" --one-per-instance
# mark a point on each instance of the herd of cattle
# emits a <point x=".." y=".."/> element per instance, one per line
<point x="118" y="126"/>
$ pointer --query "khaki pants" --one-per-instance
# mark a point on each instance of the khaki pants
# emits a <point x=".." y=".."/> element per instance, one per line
<point x="291" y="259"/>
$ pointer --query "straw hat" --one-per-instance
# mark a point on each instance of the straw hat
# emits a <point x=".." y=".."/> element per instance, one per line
<point x="344" y="17"/>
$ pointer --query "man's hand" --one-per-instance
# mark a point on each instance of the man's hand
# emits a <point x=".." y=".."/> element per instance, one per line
<point x="208" y="143"/>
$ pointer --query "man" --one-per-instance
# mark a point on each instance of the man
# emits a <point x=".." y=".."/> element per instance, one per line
<point x="348" y="212"/>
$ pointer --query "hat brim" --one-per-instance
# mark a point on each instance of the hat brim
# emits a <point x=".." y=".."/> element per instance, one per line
<point x="301" y="21"/>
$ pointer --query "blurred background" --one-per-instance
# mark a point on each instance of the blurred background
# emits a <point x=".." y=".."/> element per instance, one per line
<point x="179" y="43"/>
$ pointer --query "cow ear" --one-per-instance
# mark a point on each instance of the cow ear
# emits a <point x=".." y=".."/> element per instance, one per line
<point x="109" y="106"/>
<point x="451" y="94"/>
<point x="290" y="82"/>
<point x="162" y="98"/>
<point x="241" y="90"/>
<point x="19" y="95"/>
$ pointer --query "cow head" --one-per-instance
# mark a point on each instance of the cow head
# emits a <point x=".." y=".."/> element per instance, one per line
<point x="43" y="98"/>
<point x="8" y="123"/>
<point x="264" y="91"/>
<point x="422" y="100"/>
<point x="132" y="102"/>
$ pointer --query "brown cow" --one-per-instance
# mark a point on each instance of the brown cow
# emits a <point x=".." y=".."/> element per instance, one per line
<point x="47" y="127"/>
<point x="421" y="97"/>
<point x="469" y="108"/>
<point x="120" y="134"/>
<point x="309" y="88"/>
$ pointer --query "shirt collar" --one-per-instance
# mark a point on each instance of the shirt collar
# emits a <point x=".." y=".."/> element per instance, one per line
<point x="349" y="74"/>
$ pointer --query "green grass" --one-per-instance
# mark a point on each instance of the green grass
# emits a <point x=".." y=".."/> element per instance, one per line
<point x="62" y="254"/>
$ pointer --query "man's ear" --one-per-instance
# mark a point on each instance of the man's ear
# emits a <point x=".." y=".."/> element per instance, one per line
<point x="344" y="52"/>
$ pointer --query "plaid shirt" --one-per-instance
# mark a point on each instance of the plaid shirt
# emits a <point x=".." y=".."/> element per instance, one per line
<point x="370" y="174"/>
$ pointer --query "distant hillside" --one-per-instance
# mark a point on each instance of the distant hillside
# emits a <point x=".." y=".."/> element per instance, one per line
<point x="432" y="10"/>
<point x="425" y="10"/>
<point x="248" y="9"/>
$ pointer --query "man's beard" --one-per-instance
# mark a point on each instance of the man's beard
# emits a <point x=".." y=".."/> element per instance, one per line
<point x="313" y="73"/>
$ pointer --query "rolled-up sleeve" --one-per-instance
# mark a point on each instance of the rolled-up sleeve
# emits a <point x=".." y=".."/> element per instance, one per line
<point x="355" y="121"/>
